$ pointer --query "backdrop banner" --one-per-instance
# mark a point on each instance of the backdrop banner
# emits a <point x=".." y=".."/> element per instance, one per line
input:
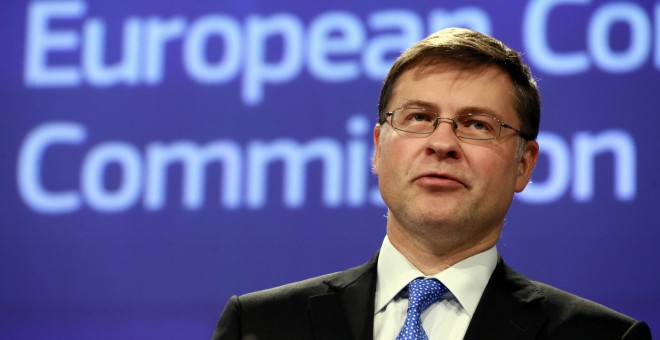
<point x="159" y="157"/>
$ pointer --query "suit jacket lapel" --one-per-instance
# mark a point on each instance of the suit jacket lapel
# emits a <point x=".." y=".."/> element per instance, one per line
<point x="347" y="311"/>
<point x="509" y="308"/>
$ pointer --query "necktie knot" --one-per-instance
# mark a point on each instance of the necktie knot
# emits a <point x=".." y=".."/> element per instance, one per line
<point x="422" y="293"/>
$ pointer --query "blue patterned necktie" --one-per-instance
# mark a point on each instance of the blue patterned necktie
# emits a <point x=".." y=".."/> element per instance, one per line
<point x="421" y="294"/>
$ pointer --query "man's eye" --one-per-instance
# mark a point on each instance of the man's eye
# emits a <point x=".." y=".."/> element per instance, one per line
<point x="478" y="125"/>
<point x="421" y="117"/>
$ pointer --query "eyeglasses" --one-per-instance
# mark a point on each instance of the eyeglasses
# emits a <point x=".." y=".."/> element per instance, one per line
<point x="477" y="126"/>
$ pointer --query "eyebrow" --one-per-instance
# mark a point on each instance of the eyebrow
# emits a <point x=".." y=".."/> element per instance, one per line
<point x="480" y="109"/>
<point x="421" y="104"/>
<point x="432" y="107"/>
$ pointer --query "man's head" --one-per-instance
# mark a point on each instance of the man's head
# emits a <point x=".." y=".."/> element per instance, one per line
<point x="470" y="49"/>
<point x="448" y="190"/>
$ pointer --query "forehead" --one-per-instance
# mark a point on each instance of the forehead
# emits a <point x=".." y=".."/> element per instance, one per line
<point x="449" y="87"/>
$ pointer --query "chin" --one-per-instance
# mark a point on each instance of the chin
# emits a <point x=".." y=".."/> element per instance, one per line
<point x="433" y="224"/>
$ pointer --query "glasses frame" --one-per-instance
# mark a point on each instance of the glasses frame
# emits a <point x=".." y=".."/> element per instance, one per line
<point x="454" y="125"/>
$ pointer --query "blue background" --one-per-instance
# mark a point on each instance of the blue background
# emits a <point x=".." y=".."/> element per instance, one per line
<point x="107" y="266"/>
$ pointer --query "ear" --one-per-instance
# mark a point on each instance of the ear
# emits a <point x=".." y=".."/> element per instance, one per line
<point x="526" y="165"/>
<point x="375" y="160"/>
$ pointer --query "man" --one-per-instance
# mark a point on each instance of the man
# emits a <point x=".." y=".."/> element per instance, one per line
<point x="458" y="117"/>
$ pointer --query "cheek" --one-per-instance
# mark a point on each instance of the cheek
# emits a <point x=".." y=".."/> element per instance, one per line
<point x="392" y="163"/>
<point x="382" y="163"/>
<point x="394" y="154"/>
<point x="493" y="165"/>
<point x="506" y="175"/>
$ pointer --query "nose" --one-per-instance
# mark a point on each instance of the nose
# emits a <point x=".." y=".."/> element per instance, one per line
<point x="448" y="120"/>
<point x="443" y="142"/>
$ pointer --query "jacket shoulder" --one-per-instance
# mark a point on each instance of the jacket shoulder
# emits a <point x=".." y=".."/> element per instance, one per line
<point x="288" y="293"/>
<point x="567" y="311"/>
<point x="519" y="308"/>
<point x="573" y="317"/>
<point x="283" y="312"/>
<point x="279" y="312"/>
<point x="310" y="287"/>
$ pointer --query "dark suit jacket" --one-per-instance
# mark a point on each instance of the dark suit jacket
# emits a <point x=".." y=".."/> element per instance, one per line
<point x="341" y="306"/>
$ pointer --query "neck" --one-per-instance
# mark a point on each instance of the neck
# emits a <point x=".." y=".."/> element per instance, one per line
<point x="432" y="255"/>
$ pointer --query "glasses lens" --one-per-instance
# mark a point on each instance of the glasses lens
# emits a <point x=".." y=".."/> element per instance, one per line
<point x="477" y="126"/>
<point x="412" y="119"/>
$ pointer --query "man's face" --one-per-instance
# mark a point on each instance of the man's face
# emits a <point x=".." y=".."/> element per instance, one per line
<point x="440" y="184"/>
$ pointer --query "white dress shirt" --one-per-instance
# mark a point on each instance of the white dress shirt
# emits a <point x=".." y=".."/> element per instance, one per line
<point x="446" y="319"/>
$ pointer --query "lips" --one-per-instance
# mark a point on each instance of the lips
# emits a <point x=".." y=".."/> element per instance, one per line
<point x="439" y="179"/>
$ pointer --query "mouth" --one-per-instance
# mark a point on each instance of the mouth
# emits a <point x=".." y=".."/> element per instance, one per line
<point x="439" y="180"/>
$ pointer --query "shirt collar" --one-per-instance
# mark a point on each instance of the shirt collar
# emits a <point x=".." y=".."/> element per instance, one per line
<point x="466" y="279"/>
